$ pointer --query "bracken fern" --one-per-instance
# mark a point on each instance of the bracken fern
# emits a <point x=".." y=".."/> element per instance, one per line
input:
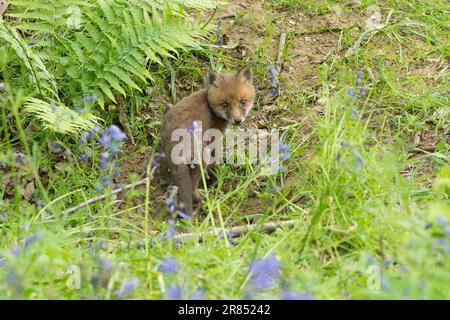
<point x="107" y="50"/>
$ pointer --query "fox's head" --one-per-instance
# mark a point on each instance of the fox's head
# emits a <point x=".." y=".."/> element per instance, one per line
<point x="231" y="95"/>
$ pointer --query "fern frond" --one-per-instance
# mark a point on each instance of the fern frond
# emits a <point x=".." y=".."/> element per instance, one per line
<point x="60" y="118"/>
<point x="42" y="79"/>
<point x="110" y="52"/>
<point x="46" y="15"/>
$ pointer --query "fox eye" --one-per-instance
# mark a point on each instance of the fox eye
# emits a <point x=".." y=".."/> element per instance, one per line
<point x="224" y="105"/>
<point x="243" y="102"/>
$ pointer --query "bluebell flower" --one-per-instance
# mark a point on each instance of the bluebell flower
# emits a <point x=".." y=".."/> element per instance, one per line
<point x="277" y="169"/>
<point x="160" y="154"/>
<point x="219" y="38"/>
<point x="54" y="147"/>
<point x="105" y="265"/>
<point x="183" y="215"/>
<point x="116" y="133"/>
<point x="111" y="139"/>
<point x="84" y="156"/>
<point x="284" y="147"/>
<point x="174" y="292"/>
<point x="171" y="232"/>
<point x="84" y="137"/>
<point x="106" y="180"/>
<point x="19" y="158"/>
<point x="285" y="156"/>
<point x="198" y="294"/>
<point x="98" y="187"/>
<point x="171" y="205"/>
<point x="104" y="160"/>
<point x="228" y="236"/>
<point x="273" y="79"/>
<point x="90" y="98"/>
<point x="29" y="240"/>
<point x="16" y="250"/>
<point x="128" y="286"/>
<point x="359" y="75"/>
<point x="194" y="127"/>
<point x="351" y="91"/>
<point x="264" y="273"/>
<point x="169" y="266"/>
<point x="447" y="230"/>
<point x="287" y="295"/>
<point x="441" y="220"/>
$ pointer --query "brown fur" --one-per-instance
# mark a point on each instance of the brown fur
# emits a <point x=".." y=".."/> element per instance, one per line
<point x="205" y="105"/>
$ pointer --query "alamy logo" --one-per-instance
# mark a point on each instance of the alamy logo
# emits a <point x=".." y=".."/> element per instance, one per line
<point x="235" y="146"/>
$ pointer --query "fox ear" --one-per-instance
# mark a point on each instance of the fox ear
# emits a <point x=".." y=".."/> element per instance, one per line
<point x="213" y="78"/>
<point x="245" y="74"/>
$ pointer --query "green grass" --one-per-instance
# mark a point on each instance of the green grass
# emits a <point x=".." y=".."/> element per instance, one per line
<point x="371" y="210"/>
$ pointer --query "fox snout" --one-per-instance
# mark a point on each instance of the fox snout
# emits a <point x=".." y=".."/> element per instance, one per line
<point x="237" y="117"/>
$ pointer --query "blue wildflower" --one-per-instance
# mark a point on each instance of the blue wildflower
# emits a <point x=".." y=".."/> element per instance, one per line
<point x="128" y="286"/>
<point x="90" y="98"/>
<point x="285" y="156"/>
<point x="105" y="265"/>
<point x="171" y="204"/>
<point x="183" y="215"/>
<point x="287" y="295"/>
<point x="441" y="220"/>
<point x="219" y="38"/>
<point x="98" y="188"/>
<point x="277" y="169"/>
<point x="104" y="160"/>
<point x="194" y="127"/>
<point x="169" y="266"/>
<point x="351" y="91"/>
<point x="116" y="172"/>
<point x="160" y="154"/>
<point x="228" y="236"/>
<point x="19" y="158"/>
<point x="54" y="147"/>
<point x="264" y="273"/>
<point x="106" y="180"/>
<point x="174" y="292"/>
<point x="171" y="232"/>
<point x="284" y="147"/>
<point x="273" y="79"/>
<point x="28" y="241"/>
<point x="84" y="156"/>
<point x="359" y="75"/>
<point x="198" y="294"/>
<point x="111" y="139"/>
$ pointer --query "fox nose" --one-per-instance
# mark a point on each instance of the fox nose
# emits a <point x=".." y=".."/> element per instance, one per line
<point x="238" y="121"/>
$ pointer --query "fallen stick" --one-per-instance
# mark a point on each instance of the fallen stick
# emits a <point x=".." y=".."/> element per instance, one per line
<point x="233" y="232"/>
<point x="281" y="46"/>
<point x="115" y="191"/>
<point x="227" y="16"/>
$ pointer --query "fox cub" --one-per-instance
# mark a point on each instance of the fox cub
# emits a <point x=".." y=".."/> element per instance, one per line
<point x="227" y="98"/>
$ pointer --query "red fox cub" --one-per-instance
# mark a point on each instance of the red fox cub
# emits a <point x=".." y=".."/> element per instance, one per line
<point x="226" y="99"/>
